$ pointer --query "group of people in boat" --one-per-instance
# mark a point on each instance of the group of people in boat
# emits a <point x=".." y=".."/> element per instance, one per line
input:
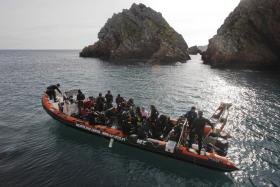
<point x="132" y="119"/>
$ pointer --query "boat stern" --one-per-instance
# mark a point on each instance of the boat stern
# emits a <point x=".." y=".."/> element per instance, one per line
<point x="231" y="167"/>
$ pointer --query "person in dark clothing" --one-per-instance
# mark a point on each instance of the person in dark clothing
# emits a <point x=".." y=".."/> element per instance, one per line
<point x="51" y="91"/>
<point x="109" y="99"/>
<point x="152" y="121"/>
<point x="177" y="132"/>
<point x="119" y="100"/>
<point x="100" y="102"/>
<point x="80" y="96"/>
<point x="130" y="103"/>
<point x="191" y="116"/>
<point x="92" y="118"/>
<point x="139" y="117"/>
<point x="126" y="122"/>
<point x="160" y="124"/>
<point x="138" y="122"/>
<point x="167" y="127"/>
<point x="154" y="114"/>
<point x="80" y="99"/>
<point x="133" y="120"/>
<point x="198" y="129"/>
<point x="143" y="131"/>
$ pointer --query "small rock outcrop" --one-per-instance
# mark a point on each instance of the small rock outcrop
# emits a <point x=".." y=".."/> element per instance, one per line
<point x="138" y="33"/>
<point x="194" y="50"/>
<point x="249" y="37"/>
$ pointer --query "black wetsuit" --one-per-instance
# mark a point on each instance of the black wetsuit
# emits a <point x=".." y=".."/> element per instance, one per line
<point x="125" y="123"/>
<point x="167" y="128"/>
<point x="198" y="128"/>
<point x="152" y="122"/>
<point x="92" y="118"/>
<point x="51" y="92"/>
<point x="109" y="100"/>
<point x="119" y="100"/>
<point x="191" y="116"/>
<point x="80" y="99"/>
<point x="130" y="103"/>
<point x="154" y="115"/>
<point x="100" y="103"/>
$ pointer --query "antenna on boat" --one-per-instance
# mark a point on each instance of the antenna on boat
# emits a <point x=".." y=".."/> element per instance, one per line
<point x="182" y="131"/>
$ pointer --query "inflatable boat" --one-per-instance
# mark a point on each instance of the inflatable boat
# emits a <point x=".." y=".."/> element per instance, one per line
<point x="166" y="148"/>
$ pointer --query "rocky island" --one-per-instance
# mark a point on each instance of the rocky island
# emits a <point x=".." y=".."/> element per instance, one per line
<point x="249" y="37"/>
<point x="194" y="50"/>
<point x="138" y="33"/>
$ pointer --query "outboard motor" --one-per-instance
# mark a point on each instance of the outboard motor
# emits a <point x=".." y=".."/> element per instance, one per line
<point x="133" y="138"/>
<point x="221" y="146"/>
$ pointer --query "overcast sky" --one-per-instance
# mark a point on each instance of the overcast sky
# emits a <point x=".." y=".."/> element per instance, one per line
<point x="72" y="24"/>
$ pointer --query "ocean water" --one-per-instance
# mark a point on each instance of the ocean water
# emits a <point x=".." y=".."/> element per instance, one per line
<point x="36" y="150"/>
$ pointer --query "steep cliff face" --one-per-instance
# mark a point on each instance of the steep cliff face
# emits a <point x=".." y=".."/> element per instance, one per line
<point x="249" y="37"/>
<point x="138" y="33"/>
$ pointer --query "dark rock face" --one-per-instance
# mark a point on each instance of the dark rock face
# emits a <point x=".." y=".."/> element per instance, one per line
<point x="249" y="37"/>
<point x="194" y="50"/>
<point x="138" y="33"/>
